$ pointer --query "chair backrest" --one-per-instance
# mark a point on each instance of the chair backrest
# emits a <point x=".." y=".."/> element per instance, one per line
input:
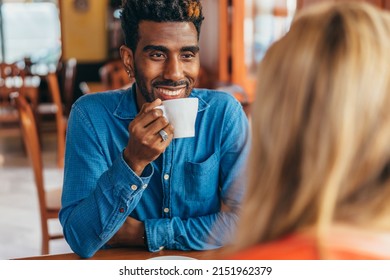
<point x="54" y="89"/>
<point x="113" y="75"/>
<point x="11" y="80"/>
<point x="31" y="141"/>
<point x="15" y="79"/>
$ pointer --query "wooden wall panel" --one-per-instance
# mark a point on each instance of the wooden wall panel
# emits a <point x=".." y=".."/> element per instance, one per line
<point x="386" y="4"/>
<point x="84" y="31"/>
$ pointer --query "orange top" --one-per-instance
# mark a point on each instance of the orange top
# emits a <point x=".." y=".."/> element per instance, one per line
<point x="304" y="247"/>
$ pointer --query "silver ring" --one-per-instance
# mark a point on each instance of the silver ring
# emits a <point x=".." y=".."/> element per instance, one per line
<point x="163" y="135"/>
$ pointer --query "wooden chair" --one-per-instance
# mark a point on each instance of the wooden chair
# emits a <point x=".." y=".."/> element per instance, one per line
<point x="13" y="78"/>
<point x="69" y="83"/>
<point x="67" y="74"/>
<point x="114" y="76"/>
<point x="49" y="201"/>
<point x="55" y="108"/>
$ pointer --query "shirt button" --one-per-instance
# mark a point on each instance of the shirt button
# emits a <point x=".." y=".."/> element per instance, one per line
<point x="134" y="187"/>
<point x="166" y="210"/>
<point x="166" y="176"/>
<point x="145" y="186"/>
<point x="161" y="248"/>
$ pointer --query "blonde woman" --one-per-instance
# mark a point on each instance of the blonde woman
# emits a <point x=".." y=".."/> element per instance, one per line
<point x="319" y="172"/>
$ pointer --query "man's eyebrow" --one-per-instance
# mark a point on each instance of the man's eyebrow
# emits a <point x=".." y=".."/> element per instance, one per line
<point x="194" y="49"/>
<point x="155" y="48"/>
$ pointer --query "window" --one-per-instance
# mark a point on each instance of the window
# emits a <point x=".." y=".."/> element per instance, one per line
<point x="30" y="30"/>
<point x="265" y="22"/>
<point x="256" y="24"/>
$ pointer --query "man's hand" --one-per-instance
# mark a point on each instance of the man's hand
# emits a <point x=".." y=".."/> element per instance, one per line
<point x="145" y="143"/>
<point x="130" y="234"/>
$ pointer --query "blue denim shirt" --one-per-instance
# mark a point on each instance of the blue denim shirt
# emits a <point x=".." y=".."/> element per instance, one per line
<point x="178" y="196"/>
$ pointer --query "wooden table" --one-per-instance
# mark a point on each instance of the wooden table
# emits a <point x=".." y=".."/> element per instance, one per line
<point x="134" y="254"/>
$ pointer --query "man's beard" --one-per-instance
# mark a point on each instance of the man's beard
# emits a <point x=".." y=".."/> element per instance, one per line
<point x="142" y="87"/>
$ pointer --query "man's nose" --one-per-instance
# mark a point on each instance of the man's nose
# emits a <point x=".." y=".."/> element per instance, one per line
<point x="173" y="70"/>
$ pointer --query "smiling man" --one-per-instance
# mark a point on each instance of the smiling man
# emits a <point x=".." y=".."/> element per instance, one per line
<point x="124" y="183"/>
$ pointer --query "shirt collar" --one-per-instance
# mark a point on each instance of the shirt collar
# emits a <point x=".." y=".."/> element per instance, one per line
<point x="127" y="106"/>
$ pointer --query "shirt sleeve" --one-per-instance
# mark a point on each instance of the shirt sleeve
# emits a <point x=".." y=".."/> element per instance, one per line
<point x="97" y="195"/>
<point x="214" y="230"/>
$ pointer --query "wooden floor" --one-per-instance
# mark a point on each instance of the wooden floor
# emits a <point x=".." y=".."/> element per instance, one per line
<point x="20" y="234"/>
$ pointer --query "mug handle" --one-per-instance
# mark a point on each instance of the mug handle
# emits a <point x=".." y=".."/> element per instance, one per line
<point x="162" y="108"/>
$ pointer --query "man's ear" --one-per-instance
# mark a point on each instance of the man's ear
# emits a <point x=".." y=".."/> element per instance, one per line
<point x="127" y="59"/>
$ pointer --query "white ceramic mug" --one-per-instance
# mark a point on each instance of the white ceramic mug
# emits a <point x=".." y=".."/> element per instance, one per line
<point x="181" y="113"/>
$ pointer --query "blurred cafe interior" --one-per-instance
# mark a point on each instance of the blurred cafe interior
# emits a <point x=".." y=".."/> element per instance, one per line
<point x="54" y="51"/>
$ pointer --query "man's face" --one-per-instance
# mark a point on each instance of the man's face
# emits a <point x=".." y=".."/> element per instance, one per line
<point x="166" y="60"/>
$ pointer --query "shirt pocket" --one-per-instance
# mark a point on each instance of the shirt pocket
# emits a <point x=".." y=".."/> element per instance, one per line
<point x="201" y="179"/>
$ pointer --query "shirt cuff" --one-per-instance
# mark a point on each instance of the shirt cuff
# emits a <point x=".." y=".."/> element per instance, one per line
<point x="158" y="234"/>
<point x="126" y="182"/>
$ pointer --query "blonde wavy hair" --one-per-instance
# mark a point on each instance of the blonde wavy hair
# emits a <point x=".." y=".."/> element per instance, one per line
<point x="321" y="126"/>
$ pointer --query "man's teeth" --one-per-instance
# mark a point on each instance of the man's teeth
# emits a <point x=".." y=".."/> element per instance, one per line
<point x="170" y="92"/>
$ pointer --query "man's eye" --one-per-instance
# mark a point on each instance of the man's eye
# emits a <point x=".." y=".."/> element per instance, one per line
<point x="187" y="55"/>
<point x="157" y="55"/>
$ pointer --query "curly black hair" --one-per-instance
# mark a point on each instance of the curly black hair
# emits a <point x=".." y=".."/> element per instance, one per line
<point x="134" y="11"/>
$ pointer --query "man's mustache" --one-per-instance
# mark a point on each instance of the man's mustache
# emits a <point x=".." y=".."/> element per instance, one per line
<point x="171" y="83"/>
